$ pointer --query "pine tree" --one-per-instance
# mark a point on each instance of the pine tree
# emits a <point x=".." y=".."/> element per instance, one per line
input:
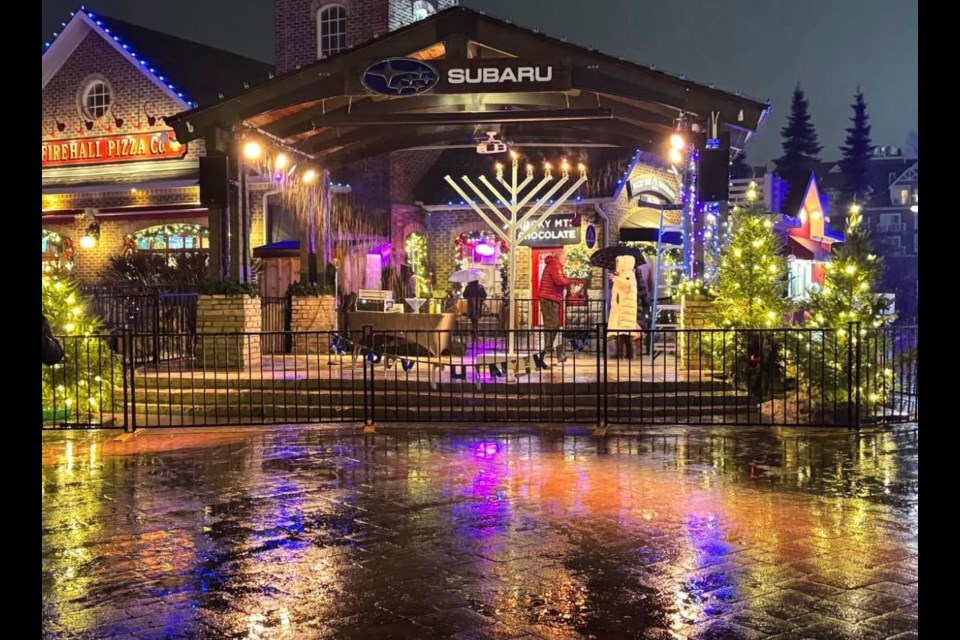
<point x="847" y="301"/>
<point x="856" y="152"/>
<point x="847" y="294"/>
<point x="801" y="151"/>
<point x="81" y="387"/>
<point x="752" y="273"/>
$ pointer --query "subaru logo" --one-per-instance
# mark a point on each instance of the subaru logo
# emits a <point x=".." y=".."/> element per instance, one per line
<point x="400" y="77"/>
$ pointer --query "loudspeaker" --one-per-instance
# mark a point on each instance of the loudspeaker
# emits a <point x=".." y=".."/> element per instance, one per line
<point x="713" y="177"/>
<point x="214" y="181"/>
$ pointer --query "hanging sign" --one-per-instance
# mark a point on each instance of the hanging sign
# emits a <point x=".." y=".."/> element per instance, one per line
<point x="124" y="148"/>
<point x="651" y="185"/>
<point x="591" y="238"/>
<point x="410" y="77"/>
<point x="557" y="230"/>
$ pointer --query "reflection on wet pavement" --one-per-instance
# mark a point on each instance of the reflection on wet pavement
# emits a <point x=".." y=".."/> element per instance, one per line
<point x="303" y="533"/>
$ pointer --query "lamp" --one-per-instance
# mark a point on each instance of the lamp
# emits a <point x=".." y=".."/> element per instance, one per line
<point x="91" y="238"/>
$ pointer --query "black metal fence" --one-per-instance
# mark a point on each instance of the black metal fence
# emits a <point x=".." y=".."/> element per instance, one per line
<point x="782" y="377"/>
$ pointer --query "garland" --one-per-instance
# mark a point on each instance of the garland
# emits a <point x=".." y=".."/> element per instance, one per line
<point x="63" y="259"/>
<point x="415" y="247"/>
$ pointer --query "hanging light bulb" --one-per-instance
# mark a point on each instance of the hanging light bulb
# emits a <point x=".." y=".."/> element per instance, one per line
<point x="675" y="156"/>
<point x="677" y="142"/>
<point x="280" y="162"/>
<point x="252" y="150"/>
<point x="309" y="176"/>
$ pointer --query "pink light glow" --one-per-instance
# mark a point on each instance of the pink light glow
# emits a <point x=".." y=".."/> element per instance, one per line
<point x="485" y="249"/>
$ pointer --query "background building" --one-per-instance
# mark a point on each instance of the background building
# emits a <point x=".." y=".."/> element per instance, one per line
<point x="114" y="179"/>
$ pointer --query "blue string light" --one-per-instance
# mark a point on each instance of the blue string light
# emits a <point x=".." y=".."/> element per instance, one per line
<point x="126" y="47"/>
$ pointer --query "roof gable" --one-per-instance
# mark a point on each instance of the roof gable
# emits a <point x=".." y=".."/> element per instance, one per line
<point x="67" y="41"/>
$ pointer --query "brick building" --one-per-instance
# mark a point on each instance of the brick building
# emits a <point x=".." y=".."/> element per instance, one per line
<point x="114" y="179"/>
<point x="387" y="149"/>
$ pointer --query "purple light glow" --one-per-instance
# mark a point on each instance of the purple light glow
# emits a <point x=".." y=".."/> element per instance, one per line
<point x="485" y="450"/>
<point x="485" y="249"/>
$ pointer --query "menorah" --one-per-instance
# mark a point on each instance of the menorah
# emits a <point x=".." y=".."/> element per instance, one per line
<point x="512" y="226"/>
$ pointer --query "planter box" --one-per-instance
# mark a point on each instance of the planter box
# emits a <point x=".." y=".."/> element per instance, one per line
<point x="312" y="318"/>
<point x="229" y="332"/>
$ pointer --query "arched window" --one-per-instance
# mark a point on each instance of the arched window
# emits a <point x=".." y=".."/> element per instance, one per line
<point x="171" y="240"/>
<point x="331" y="30"/>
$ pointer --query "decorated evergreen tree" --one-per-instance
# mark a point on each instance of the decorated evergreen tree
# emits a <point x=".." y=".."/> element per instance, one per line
<point x="856" y="152"/>
<point x="752" y="273"/>
<point x="847" y="294"/>
<point x="801" y="151"/>
<point x="82" y="385"/>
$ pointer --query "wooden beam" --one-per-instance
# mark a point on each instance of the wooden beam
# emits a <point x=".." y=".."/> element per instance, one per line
<point x="465" y="117"/>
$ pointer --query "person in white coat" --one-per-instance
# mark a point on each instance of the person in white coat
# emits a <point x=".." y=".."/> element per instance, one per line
<point x="622" y="322"/>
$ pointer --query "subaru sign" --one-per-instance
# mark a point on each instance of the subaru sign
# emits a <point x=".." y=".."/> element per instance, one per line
<point x="400" y="77"/>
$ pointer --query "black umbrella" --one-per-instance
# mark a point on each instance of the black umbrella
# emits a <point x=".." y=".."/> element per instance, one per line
<point x="607" y="258"/>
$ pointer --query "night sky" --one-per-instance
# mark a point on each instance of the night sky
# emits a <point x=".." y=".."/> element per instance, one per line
<point x="760" y="47"/>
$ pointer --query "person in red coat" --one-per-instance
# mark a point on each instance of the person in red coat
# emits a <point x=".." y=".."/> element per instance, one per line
<point x="553" y="282"/>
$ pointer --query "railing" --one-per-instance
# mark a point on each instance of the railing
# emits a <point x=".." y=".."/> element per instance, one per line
<point x="781" y="377"/>
<point x="893" y="227"/>
<point x="169" y="317"/>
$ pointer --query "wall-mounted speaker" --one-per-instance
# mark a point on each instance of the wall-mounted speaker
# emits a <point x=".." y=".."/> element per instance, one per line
<point x="214" y="181"/>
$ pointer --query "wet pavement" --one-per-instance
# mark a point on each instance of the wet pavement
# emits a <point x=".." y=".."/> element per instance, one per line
<point x="310" y="533"/>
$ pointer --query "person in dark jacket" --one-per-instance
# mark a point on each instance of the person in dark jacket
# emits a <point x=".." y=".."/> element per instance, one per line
<point x="553" y="282"/>
<point x="475" y="295"/>
<point x="52" y="350"/>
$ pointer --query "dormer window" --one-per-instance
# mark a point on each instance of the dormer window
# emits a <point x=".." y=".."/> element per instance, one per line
<point x="331" y="30"/>
<point x="423" y="9"/>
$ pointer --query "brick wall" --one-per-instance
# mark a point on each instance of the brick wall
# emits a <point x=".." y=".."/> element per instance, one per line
<point x="220" y="316"/>
<point x="134" y="96"/>
<point x="295" y="25"/>
<point x="89" y="263"/>
<point x="443" y="227"/>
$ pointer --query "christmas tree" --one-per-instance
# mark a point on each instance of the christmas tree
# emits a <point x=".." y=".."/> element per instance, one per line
<point x="801" y="151"/>
<point x="857" y="150"/>
<point x="81" y="387"/>
<point x="752" y="272"/>
<point x="850" y="314"/>
<point x="847" y="294"/>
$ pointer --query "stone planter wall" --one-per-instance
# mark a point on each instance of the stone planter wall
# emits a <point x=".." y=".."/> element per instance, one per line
<point x="229" y="332"/>
<point x="696" y="349"/>
<point x="312" y="314"/>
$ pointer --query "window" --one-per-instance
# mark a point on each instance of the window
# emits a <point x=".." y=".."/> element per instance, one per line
<point x="331" y="30"/>
<point x="170" y="240"/>
<point x="95" y="99"/>
<point x="889" y="223"/>
<point x="423" y="9"/>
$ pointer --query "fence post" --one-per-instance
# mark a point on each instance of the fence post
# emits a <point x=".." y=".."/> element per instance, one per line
<point x="156" y="326"/>
<point x="124" y="354"/>
<point x="131" y="361"/>
<point x="859" y="386"/>
<point x="368" y="402"/>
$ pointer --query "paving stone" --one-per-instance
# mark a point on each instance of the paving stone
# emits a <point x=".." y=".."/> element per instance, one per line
<point x="327" y="533"/>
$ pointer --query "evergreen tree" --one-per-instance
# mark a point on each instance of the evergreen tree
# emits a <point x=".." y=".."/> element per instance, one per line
<point x="801" y="151"/>
<point x="847" y="296"/>
<point x="752" y="272"/>
<point x="81" y="387"/>
<point x="848" y="293"/>
<point x="856" y="152"/>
